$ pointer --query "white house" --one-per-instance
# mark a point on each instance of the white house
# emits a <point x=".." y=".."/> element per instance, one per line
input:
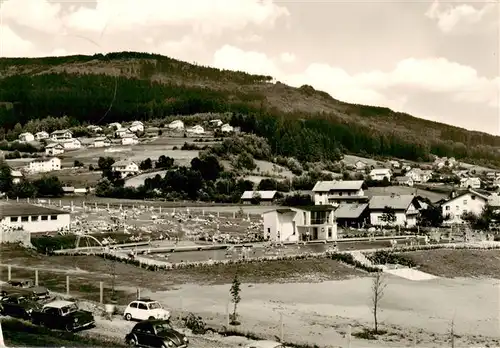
<point x="379" y="174"/>
<point x="41" y="135"/>
<point x="337" y="192"/>
<point x="300" y="224"/>
<point x="266" y="197"/>
<point x="115" y="125"/>
<point x="120" y="133"/>
<point x="71" y="144"/>
<point x="17" y="176"/>
<point x="215" y="123"/>
<point x="419" y="175"/>
<point x="33" y="218"/>
<point x="101" y="142"/>
<point x="54" y="149"/>
<point x="95" y="129"/>
<point x="404" y="181"/>
<point x="227" y="128"/>
<point x="44" y="165"/>
<point x="468" y="202"/>
<point x="136" y="126"/>
<point x="176" y="125"/>
<point x="473" y="183"/>
<point x="26" y="137"/>
<point x="61" y="134"/>
<point x="395" y="164"/>
<point x="405" y="207"/>
<point x="130" y="139"/>
<point x="125" y="168"/>
<point x="196" y="130"/>
<point x="360" y="165"/>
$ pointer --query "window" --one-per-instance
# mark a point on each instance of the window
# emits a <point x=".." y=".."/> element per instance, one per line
<point x="14" y="219"/>
<point x="45" y="217"/>
<point x="53" y="217"/>
<point x="447" y="207"/>
<point x="143" y="306"/>
<point x="329" y="232"/>
<point x="24" y="218"/>
<point x="473" y="197"/>
<point x="465" y="202"/>
<point x="380" y="218"/>
<point x="133" y="305"/>
<point x="457" y="207"/>
<point x="34" y="218"/>
<point x="268" y="230"/>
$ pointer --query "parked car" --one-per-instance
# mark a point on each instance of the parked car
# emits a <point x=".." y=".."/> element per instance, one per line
<point x="156" y="334"/>
<point x="63" y="315"/>
<point x="265" y="344"/>
<point x="39" y="292"/>
<point x="18" y="306"/>
<point x="145" y="308"/>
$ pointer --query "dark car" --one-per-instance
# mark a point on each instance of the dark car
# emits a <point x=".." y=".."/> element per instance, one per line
<point x="156" y="334"/>
<point x="38" y="292"/>
<point x="63" y="315"/>
<point x="19" y="306"/>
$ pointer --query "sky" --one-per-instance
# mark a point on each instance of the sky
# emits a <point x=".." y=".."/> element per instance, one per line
<point x="434" y="60"/>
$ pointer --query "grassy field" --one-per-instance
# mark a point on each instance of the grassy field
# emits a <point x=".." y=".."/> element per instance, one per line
<point x="78" y="178"/>
<point x="458" y="263"/>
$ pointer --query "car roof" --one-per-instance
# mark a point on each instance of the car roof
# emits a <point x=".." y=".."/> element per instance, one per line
<point x="59" y="304"/>
<point x="144" y="299"/>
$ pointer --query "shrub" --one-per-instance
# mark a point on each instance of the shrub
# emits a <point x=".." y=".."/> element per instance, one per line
<point x="195" y="324"/>
<point x="349" y="259"/>
<point x="383" y="257"/>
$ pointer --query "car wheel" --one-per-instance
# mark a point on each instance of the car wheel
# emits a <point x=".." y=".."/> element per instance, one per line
<point x="151" y="318"/>
<point x="69" y="328"/>
<point x="133" y="342"/>
<point x="128" y="316"/>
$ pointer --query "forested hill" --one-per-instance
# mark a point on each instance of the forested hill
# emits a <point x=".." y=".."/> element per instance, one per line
<point x="300" y="122"/>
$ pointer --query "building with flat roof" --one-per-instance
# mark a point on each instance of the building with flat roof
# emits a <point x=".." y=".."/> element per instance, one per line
<point x="33" y="218"/>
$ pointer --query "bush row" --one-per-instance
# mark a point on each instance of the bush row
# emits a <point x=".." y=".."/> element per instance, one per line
<point x="383" y="257"/>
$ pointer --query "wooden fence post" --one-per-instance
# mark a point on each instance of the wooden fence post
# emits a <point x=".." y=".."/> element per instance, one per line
<point x="282" y="331"/>
<point x="227" y="314"/>
<point x="36" y="277"/>
<point x="101" y="292"/>
<point x="138" y="293"/>
<point x="9" y="272"/>
<point x="348" y="336"/>
<point x="67" y="285"/>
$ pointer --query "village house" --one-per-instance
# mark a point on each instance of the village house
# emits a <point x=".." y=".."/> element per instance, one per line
<point x="54" y="149"/>
<point x="176" y="125"/>
<point x="496" y="182"/>
<point x="136" y="126"/>
<point x="418" y="175"/>
<point x="61" y="135"/>
<point x="94" y="129"/>
<point x="405" y="207"/>
<point x="215" y="123"/>
<point x="32" y="218"/>
<point x="395" y="164"/>
<point x="71" y="144"/>
<point x="360" y="165"/>
<point x="469" y="201"/>
<point x="101" y="142"/>
<point x="122" y="132"/>
<point x="44" y="165"/>
<point x="337" y="192"/>
<point x="196" y="130"/>
<point x="300" y="224"/>
<point x="17" y="176"/>
<point x="378" y="174"/>
<point x="494" y="201"/>
<point x="26" y="137"/>
<point x="41" y="135"/>
<point x="115" y="125"/>
<point x="352" y="215"/>
<point x="404" y="181"/>
<point x="125" y="168"/>
<point x="226" y="128"/>
<point x="130" y="139"/>
<point x="473" y="183"/>
<point x="263" y="197"/>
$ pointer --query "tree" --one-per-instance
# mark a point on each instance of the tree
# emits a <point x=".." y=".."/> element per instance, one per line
<point x="49" y="186"/>
<point x="256" y="198"/>
<point x="164" y="162"/>
<point x="6" y="182"/>
<point x="78" y="164"/>
<point x="378" y="287"/>
<point x="430" y="217"/>
<point x="388" y="215"/>
<point x="105" y="163"/>
<point x="146" y="164"/>
<point x="235" y="296"/>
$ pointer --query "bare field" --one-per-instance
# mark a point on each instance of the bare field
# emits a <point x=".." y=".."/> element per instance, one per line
<point x="78" y="178"/>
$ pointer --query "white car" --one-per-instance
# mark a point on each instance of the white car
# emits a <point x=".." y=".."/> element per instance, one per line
<point x="145" y="309"/>
<point x="265" y="344"/>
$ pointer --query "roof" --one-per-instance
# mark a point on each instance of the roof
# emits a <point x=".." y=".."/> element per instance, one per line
<point x="101" y="139"/>
<point x="336" y="185"/>
<point x="350" y="211"/>
<point x="380" y="170"/>
<point x="59" y="304"/>
<point x="61" y="131"/>
<point x="494" y="200"/>
<point x="51" y="145"/>
<point x="396" y="202"/>
<point x="16" y="174"/>
<point x="263" y="194"/>
<point x="129" y="135"/>
<point x="403" y="178"/>
<point x="72" y="140"/>
<point x="122" y="163"/>
<point x="25" y="134"/>
<point x="316" y="207"/>
<point x="42" y="132"/>
<point x="68" y="189"/>
<point x="468" y="192"/>
<point x="44" y="159"/>
<point x="8" y="209"/>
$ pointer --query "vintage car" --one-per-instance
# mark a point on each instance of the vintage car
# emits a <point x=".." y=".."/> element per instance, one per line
<point x="144" y="309"/>
<point x="39" y="292"/>
<point x="156" y="334"/>
<point x="63" y="315"/>
<point x="18" y="306"/>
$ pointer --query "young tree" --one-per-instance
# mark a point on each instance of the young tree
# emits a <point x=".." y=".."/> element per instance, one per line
<point x="235" y="295"/>
<point x="388" y="215"/>
<point x="378" y="287"/>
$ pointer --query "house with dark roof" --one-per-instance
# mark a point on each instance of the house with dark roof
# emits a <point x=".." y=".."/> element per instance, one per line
<point x="33" y="218"/>
<point x="336" y="192"/>
<point x="310" y="223"/>
<point x="405" y="209"/>
<point x="352" y="215"/>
